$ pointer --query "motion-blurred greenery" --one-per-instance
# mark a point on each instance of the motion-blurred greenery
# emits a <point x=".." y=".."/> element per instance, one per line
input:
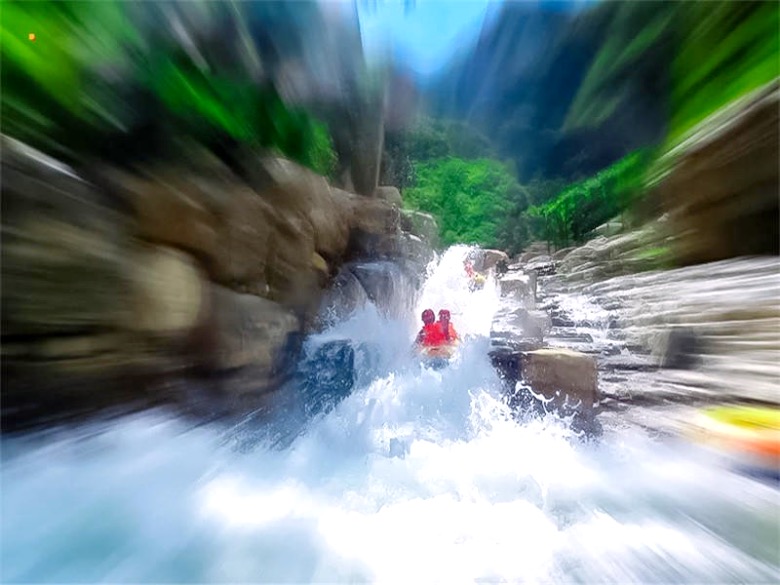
<point x="91" y="75"/>
<point x="726" y="50"/>
<point x="585" y="205"/>
<point x="709" y="53"/>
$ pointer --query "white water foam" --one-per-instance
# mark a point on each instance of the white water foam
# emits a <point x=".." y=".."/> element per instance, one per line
<point x="418" y="476"/>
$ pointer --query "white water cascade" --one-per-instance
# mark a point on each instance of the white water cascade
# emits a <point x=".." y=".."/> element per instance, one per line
<point x="417" y="476"/>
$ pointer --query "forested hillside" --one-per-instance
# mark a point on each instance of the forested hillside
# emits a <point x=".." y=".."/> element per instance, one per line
<point x="574" y="106"/>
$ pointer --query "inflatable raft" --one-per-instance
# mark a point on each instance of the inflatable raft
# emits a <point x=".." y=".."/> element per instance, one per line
<point x="748" y="435"/>
<point x="438" y="356"/>
<point x="476" y="282"/>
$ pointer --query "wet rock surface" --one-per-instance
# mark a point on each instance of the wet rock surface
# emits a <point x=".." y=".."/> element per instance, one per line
<point x="195" y="276"/>
<point x="541" y="361"/>
<point x="662" y="341"/>
<point x="328" y="376"/>
<point x="422" y="225"/>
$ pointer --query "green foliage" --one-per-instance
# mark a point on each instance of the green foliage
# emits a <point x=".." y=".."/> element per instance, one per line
<point x="206" y="103"/>
<point x="656" y="258"/>
<point x="585" y="205"/>
<point x="513" y="230"/>
<point x="427" y="140"/>
<point x="51" y="88"/>
<point x="469" y="198"/>
<point x="57" y="95"/>
<point x="541" y="191"/>
<point x="436" y="138"/>
<point x="727" y="50"/>
<point x="713" y="53"/>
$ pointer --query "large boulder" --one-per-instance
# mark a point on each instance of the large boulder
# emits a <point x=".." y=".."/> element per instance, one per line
<point x="174" y="208"/>
<point x="520" y="324"/>
<point x="374" y="216"/>
<point x="257" y="234"/>
<point x="565" y="378"/>
<point x="720" y="186"/>
<point x="390" y="194"/>
<point x="64" y="250"/>
<point x="399" y="246"/>
<point x="374" y="226"/>
<point x="487" y="259"/>
<point x="534" y="250"/>
<point x="245" y="236"/>
<point x="370" y="246"/>
<point x="250" y="331"/>
<point x="344" y="296"/>
<point x="520" y="287"/>
<point x="415" y="249"/>
<point x="561" y="254"/>
<point x="422" y="225"/>
<point x="169" y="293"/>
<point x="294" y="190"/>
<point x="388" y="285"/>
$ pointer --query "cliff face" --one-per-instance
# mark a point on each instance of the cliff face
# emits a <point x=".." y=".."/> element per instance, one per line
<point x="147" y="286"/>
<point x="721" y="186"/>
<point x="521" y="80"/>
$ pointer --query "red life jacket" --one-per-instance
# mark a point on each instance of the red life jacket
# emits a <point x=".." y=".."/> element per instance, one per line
<point x="432" y="335"/>
<point x="450" y="335"/>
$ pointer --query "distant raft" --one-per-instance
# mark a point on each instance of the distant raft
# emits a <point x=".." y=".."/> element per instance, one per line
<point x="749" y="435"/>
<point x="476" y="282"/>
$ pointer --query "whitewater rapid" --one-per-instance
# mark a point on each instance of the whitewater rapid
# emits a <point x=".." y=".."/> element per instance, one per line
<point x="417" y="476"/>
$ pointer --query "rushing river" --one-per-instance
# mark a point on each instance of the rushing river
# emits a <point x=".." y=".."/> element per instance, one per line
<point x="417" y="476"/>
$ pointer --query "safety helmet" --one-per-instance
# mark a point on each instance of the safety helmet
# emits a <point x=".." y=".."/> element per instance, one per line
<point x="428" y="316"/>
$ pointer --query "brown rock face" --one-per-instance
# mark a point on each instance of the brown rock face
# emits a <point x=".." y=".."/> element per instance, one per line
<point x="147" y="283"/>
<point x="520" y="287"/>
<point x="390" y="194"/>
<point x="260" y="237"/>
<point x="256" y="240"/>
<point x="249" y="330"/>
<point x="245" y="234"/>
<point x="169" y="293"/>
<point x="298" y="193"/>
<point x="722" y="192"/>
<point x="489" y="258"/>
<point x="374" y="216"/>
<point x="174" y="209"/>
<point x="562" y="375"/>
<point x="422" y="225"/>
<point x="62" y="252"/>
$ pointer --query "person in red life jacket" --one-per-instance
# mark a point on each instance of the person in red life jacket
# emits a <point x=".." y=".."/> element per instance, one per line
<point x="446" y="330"/>
<point x="430" y="335"/>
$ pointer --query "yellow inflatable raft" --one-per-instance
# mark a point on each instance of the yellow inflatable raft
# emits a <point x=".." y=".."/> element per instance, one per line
<point x="749" y="434"/>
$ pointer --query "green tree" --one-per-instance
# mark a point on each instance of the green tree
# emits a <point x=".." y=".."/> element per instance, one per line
<point x="584" y="205"/>
<point x="473" y="200"/>
<point x="726" y="49"/>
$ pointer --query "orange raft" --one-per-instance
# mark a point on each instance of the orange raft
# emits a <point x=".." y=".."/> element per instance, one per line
<point x="437" y="357"/>
<point x="438" y="351"/>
